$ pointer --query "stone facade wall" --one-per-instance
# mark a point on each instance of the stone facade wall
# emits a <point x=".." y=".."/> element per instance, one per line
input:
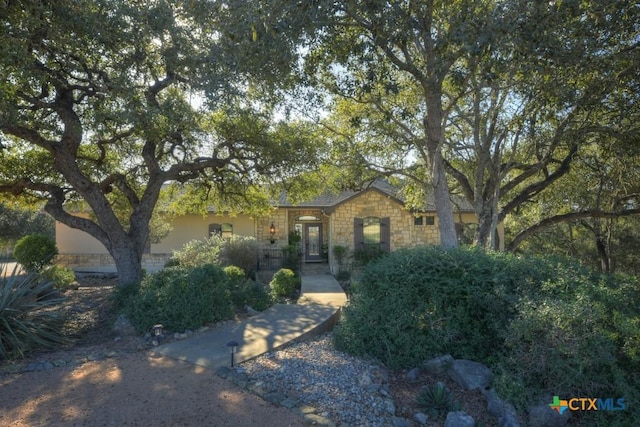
<point x="279" y="220"/>
<point x="403" y="232"/>
<point x="150" y="262"/>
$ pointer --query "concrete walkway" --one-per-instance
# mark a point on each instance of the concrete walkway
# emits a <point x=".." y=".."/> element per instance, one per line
<point x="317" y="311"/>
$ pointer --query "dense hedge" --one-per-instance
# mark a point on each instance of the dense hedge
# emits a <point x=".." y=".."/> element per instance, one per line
<point x="545" y="326"/>
<point x="179" y="298"/>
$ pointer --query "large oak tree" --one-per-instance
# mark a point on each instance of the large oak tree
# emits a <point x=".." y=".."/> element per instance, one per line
<point x="106" y="102"/>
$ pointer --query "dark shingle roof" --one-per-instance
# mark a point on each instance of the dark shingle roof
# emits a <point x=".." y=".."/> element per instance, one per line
<point x="329" y="200"/>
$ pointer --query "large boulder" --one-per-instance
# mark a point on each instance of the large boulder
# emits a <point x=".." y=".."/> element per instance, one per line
<point x="459" y="419"/>
<point x="469" y="374"/>
<point x="543" y="416"/>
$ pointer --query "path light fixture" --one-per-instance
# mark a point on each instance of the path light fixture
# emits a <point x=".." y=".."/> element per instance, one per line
<point x="272" y="233"/>
<point x="233" y="345"/>
<point x="157" y="330"/>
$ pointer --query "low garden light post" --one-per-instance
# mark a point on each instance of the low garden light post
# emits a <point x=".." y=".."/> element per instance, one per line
<point x="233" y="345"/>
<point x="157" y="330"/>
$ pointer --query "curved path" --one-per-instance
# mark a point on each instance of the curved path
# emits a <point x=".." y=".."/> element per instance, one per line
<point x="317" y="311"/>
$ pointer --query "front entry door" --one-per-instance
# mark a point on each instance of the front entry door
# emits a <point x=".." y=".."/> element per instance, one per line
<point x="313" y="242"/>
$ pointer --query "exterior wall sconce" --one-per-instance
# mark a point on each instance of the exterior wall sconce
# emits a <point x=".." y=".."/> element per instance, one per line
<point x="272" y="233"/>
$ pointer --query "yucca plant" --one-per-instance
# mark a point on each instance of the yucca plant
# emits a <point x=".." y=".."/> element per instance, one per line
<point x="25" y="321"/>
<point x="436" y="400"/>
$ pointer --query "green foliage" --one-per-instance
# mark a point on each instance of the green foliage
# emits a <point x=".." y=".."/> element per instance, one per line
<point x="578" y="336"/>
<point x="291" y="257"/>
<point x="245" y="291"/>
<point x="294" y="237"/>
<point x="340" y="252"/>
<point x="198" y="252"/>
<point x="235" y="281"/>
<point x="25" y="322"/>
<point x="124" y="52"/>
<point x="367" y="254"/>
<point x="62" y="277"/>
<point x="546" y="326"/>
<point x="35" y="252"/>
<point x="284" y="283"/>
<point x="414" y="304"/>
<point x="436" y="400"/>
<point x="179" y="298"/>
<point x="256" y="295"/>
<point x="240" y="251"/>
<point x="16" y="223"/>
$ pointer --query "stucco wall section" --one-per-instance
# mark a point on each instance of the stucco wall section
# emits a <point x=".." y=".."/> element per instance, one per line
<point x="74" y="241"/>
<point x="192" y="227"/>
<point x="185" y="229"/>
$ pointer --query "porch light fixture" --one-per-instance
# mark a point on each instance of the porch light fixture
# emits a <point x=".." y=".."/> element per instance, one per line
<point x="272" y="233"/>
<point x="233" y="345"/>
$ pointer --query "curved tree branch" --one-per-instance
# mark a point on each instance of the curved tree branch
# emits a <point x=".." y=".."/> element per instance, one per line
<point x="557" y="219"/>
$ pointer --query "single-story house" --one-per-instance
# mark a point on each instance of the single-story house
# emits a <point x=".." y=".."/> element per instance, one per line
<point x="375" y="215"/>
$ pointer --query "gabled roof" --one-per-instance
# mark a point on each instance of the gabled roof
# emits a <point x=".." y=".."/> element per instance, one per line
<point x="331" y="200"/>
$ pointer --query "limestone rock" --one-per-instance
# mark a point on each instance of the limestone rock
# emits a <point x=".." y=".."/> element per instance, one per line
<point x="438" y="365"/>
<point x="469" y="374"/>
<point x="123" y="326"/>
<point x="459" y="419"/>
<point x="542" y="415"/>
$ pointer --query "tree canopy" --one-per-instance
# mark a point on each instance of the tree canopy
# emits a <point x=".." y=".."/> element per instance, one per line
<point x="513" y="91"/>
<point x="108" y="101"/>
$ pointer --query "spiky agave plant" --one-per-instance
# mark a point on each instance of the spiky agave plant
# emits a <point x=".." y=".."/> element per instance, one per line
<point x="437" y="400"/>
<point x="25" y="321"/>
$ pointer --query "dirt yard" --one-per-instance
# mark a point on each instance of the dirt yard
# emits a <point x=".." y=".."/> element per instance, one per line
<point x="105" y="381"/>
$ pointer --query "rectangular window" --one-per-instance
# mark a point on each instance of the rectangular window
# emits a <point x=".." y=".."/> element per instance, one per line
<point x="226" y="231"/>
<point x="371" y="230"/>
<point x="417" y="220"/>
<point x="430" y="220"/>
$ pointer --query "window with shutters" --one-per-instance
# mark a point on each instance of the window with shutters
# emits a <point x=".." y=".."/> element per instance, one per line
<point x="372" y="232"/>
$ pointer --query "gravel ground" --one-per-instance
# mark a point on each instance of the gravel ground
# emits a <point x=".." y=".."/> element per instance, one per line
<point x="344" y="389"/>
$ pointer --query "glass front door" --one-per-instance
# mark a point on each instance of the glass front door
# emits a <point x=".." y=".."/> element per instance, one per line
<point x="313" y="242"/>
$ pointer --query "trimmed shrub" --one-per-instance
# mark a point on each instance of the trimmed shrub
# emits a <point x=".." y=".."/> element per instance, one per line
<point x="245" y="291"/>
<point x="34" y="252"/>
<point x="24" y="324"/>
<point x="284" y="283"/>
<point x="235" y="280"/>
<point x="291" y="257"/>
<point x="180" y="298"/>
<point x="62" y="277"/>
<point x="256" y="295"/>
